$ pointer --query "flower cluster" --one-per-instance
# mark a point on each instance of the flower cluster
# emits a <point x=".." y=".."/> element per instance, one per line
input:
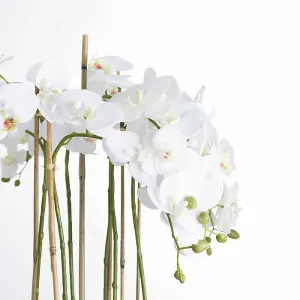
<point x="168" y="141"/>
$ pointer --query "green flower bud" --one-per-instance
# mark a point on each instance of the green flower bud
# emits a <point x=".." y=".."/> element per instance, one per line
<point x="28" y="156"/>
<point x="179" y="276"/>
<point x="17" y="182"/>
<point x="233" y="234"/>
<point x="209" y="251"/>
<point x="221" y="238"/>
<point x="201" y="246"/>
<point x="5" y="179"/>
<point x="182" y="278"/>
<point x="208" y="239"/>
<point x="191" y="202"/>
<point x="203" y="218"/>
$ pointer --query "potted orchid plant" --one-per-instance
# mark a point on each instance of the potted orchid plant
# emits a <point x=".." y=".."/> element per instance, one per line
<point x="178" y="164"/>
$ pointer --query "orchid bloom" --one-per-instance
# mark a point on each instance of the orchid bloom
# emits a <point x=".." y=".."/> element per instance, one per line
<point x="12" y="159"/>
<point x="87" y="111"/>
<point x="202" y="185"/>
<point x="158" y="98"/>
<point x="50" y="77"/>
<point x="18" y="104"/>
<point x="103" y="76"/>
<point x="229" y="210"/>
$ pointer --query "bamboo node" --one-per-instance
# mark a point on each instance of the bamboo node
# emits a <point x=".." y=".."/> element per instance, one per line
<point x="38" y="114"/>
<point x="51" y="166"/>
<point x="52" y="250"/>
<point x="35" y="257"/>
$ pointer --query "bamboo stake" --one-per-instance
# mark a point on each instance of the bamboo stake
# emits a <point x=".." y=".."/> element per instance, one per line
<point x="84" y="59"/>
<point x="122" y="258"/>
<point x="52" y="239"/>
<point x="139" y="217"/>
<point x="42" y="220"/>
<point x="35" y="202"/>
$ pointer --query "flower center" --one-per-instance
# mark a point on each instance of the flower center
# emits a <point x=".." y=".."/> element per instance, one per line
<point x="9" y="123"/>
<point x="90" y="140"/>
<point x="223" y="166"/>
<point x="166" y="155"/>
<point x="97" y="66"/>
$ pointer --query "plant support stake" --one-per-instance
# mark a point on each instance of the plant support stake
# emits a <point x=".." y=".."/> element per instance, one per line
<point x="52" y="238"/>
<point x="82" y="182"/>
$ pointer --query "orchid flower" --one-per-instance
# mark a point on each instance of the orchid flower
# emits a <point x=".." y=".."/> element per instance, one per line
<point x="12" y="160"/>
<point x="50" y="77"/>
<point x="229" y="210"/>
<point x="158" y="98"/>
<point x="87" y="111"/>
<point x="18" y="104"/>
<point x="201" y="184"/>
<point x="103" y="77"/>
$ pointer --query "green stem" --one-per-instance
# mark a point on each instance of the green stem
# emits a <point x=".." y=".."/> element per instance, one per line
<point x="70" y="230"/>
<point x="62" y="244"/>
<point x="114" y="226"/>
<point x="154" y="123"/>
<point x="42" y="220"/>
<point x="172" y="231"/>
<point x="107" y="250"/>
<point x="175" y="240"/>
<point x="212" y="223"/>
<point x="68" y="138"/>
<point x="4" y="79"/>
<point x="137" y="239"/>
<point x="185" y="248"/>
<point x="32" y="135"/>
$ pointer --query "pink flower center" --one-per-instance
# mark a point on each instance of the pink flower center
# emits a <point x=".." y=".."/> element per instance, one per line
<point x="222" y="165"/>
<point x="9" y="123"/>
<point x="97" y="66"/>
<point x="166" y="155"/>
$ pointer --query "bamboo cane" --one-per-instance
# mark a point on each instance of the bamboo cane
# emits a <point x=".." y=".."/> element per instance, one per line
<point x="35" y="201"/>
<point x="52" y="239"/>
<point x="82" y="182"/>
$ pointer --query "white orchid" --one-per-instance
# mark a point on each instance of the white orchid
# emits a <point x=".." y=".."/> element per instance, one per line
<point x="87" y="111"/>
<point x="18" y="104"/>
<point x="229" y="210"/>
<point x="50" y="77"/>
<point x="103" y="75"/>
<point x="157" y="98"/>
<point x="12" y="159"/>
<point x="202" y="185"/>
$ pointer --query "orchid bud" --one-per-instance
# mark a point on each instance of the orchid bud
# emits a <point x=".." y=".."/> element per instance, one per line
<point x="208" y="239"/>
<point x="17" y="182"/>
<point x="200" y="247"/>
<point x="221" y="238"/>
<point x="3" y="179"/>
<point x="203" y="218"/>
<point x="209" y="251"/>
<point x="28" y="156"/>
<point x="191" y="202"/>
<point x="179" y="276"/>
<point x="233" y="234"/>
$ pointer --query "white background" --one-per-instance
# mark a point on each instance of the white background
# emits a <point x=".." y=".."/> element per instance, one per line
<point x="247" y="54"/>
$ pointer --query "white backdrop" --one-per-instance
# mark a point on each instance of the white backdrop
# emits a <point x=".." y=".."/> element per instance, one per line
<point x="247" y="54"/>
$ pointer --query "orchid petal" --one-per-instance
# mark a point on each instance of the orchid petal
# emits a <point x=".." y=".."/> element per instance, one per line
<point x="145" y="199"/>
<point x="121" y="146"/>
